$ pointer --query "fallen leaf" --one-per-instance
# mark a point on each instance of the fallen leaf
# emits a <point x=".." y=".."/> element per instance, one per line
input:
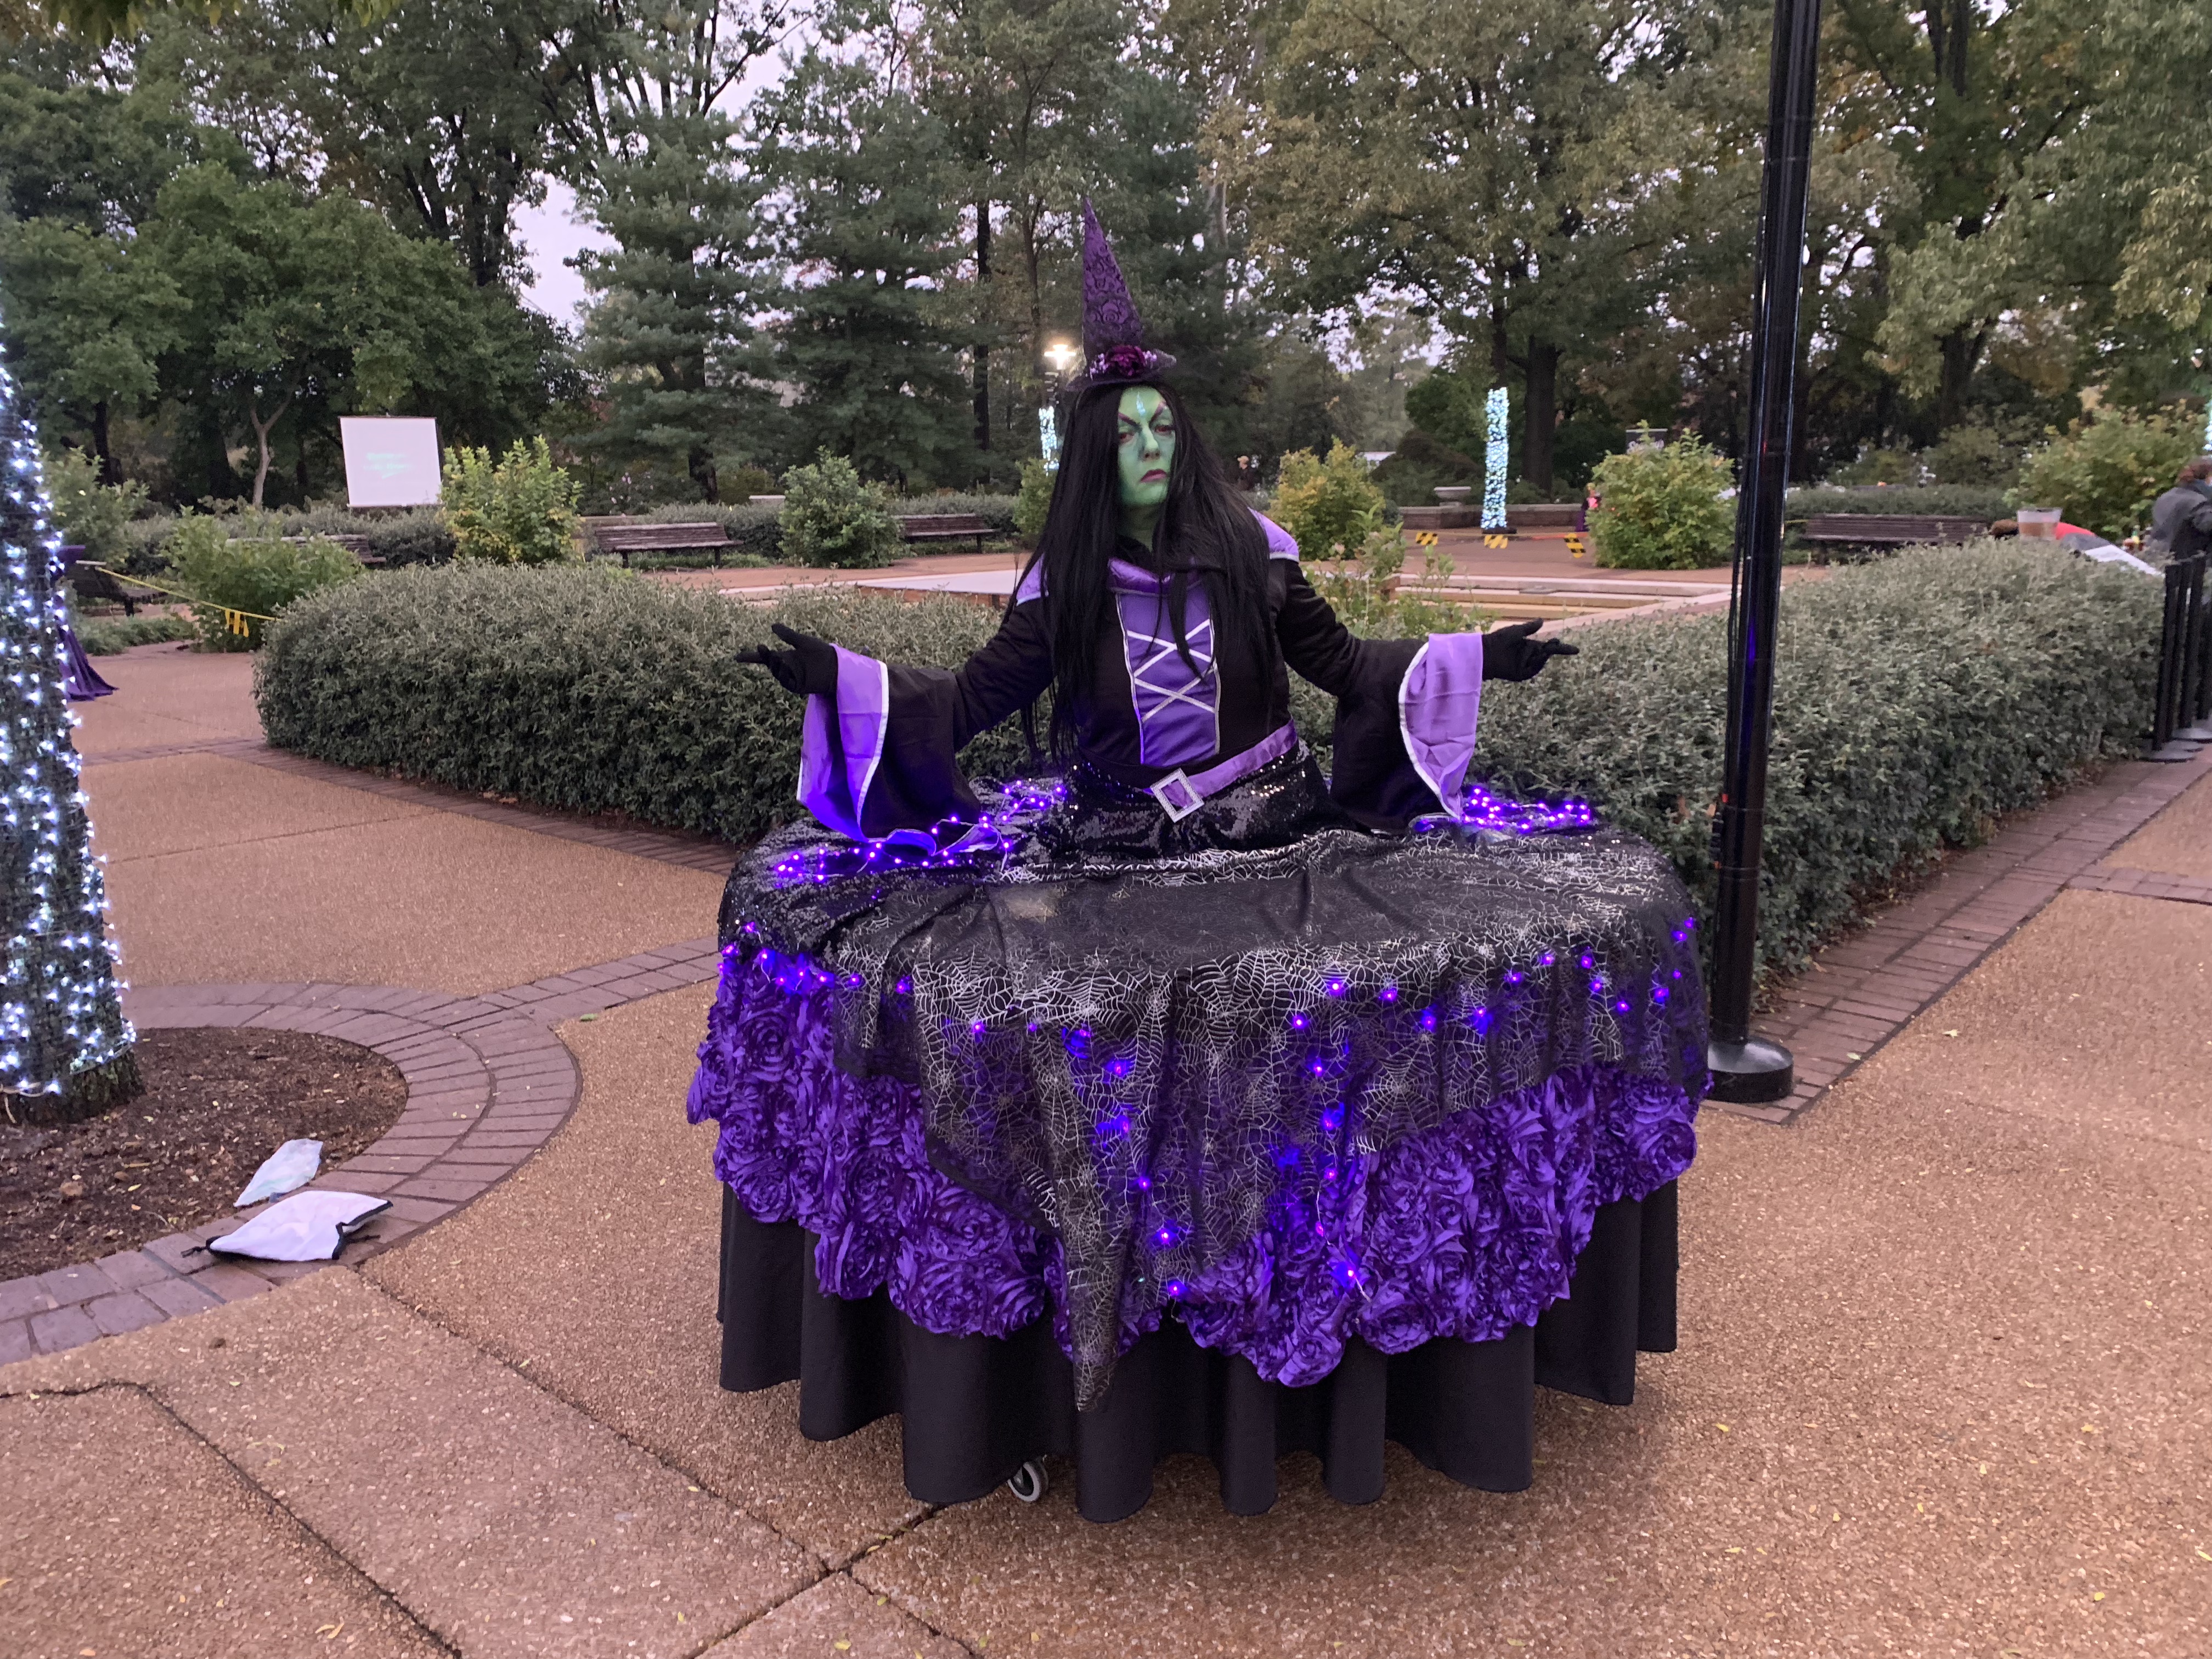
<point x="2098" y="1596"/>
<point x="1950" y="1034"/>
<point x="841" y="1645"/>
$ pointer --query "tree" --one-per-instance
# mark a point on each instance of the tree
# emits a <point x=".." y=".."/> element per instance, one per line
<point x="311" y="309"/>
<point x="1974" y="96"/>
<point x="64" y="1046"/>
<point x="443" y="112"/>
<point x="1466" y="154"/>
<point x="1024" y="90"/>
<point x="868" y="238"/>
<point x="647" y="143"/>
<point x="92" y="320"/>
<point x="87" y="155"/>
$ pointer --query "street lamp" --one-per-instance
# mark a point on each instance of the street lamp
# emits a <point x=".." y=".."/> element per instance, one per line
<point x="1747" y="1069"/>
<point x="1059" y="356"/>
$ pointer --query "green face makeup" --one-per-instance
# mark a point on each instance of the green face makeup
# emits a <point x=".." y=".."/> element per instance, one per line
<point x="1146" y="448"/>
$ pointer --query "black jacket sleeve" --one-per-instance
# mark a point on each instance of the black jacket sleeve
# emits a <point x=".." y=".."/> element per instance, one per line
<point x="1373" y="776"/>
<point x="934" y="714"/>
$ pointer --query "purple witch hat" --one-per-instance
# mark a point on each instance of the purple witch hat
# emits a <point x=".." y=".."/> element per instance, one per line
<point x="1113" y="333"/>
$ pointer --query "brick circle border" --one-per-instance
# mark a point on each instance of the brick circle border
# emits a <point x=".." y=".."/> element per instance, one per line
<point x="488" y="1084"/>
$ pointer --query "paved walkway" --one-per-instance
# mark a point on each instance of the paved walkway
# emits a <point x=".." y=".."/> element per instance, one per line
<point x="1941" y="1389"/>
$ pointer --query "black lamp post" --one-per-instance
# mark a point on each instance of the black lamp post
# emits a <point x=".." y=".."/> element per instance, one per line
<point x="1748" y="1069"/>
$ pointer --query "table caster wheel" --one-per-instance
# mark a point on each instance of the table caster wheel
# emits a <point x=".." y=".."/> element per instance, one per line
<point x="1030" y="1482"/>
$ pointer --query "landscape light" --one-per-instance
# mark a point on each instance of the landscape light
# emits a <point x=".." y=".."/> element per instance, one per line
<point x="1493" y="461"/>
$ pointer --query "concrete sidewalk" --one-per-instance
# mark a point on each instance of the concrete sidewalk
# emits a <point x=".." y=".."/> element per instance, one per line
<point x="1941" y="1389"/>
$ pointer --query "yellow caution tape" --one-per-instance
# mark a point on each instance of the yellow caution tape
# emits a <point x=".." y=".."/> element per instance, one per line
<point x="232" y="618"/>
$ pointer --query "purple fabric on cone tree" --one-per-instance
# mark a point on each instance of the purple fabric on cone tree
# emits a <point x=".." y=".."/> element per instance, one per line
<point x="1113" y="333"/>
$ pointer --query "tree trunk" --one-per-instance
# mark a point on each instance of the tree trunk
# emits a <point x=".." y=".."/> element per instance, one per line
<point x="982" y="350"/>
<point x="109" y="472"/>
<point x="1960" y="351"/>
<point x="261" y="429"/>
<point x="1540" y="419"/>
<point x="701" y="462"/>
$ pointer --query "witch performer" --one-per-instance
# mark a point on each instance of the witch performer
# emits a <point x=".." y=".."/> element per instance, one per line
<point x="1188" y="1098"/>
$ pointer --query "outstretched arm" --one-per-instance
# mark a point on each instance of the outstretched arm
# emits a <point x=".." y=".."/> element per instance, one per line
<point x="877" y="754"/>
<point x="1406" y="710"/>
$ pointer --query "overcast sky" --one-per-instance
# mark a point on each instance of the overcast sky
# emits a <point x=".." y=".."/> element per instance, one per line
<point x="552" y="234"/>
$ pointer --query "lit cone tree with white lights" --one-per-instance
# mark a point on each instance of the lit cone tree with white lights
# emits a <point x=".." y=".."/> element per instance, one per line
<point x="64" y="1046"/>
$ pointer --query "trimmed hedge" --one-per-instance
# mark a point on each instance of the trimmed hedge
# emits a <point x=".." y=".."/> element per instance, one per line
<point x="109" y="636"/>
<point x="588" y="689"/>
<point x="419" y="536"/>
<point x="1916" y="700"/>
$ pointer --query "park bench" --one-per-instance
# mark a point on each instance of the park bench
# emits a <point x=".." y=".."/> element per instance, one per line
<point x="1890" y="529"/>
<point x="943" y="527"/>
<point x="91" y="582"/>
<point x="626" y="535"/>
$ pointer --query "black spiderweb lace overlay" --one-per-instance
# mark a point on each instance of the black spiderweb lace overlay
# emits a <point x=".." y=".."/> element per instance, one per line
<point x="1150" y="1056"/>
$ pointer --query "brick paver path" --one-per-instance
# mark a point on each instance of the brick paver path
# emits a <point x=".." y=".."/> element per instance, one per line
<point x="488" y="1084"/>
<point x="1860" y="992"/>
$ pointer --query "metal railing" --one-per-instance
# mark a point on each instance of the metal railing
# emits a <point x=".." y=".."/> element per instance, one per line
<point x="2183" y="713"/>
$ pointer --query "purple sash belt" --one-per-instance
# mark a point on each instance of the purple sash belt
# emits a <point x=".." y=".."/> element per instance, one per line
<point x="1180" y="796"/>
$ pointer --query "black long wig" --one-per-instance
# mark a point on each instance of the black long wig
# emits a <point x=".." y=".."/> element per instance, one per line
<point x="1206" y="531"/>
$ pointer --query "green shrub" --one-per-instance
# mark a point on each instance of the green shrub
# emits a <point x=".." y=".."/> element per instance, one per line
<point x="1451" y="411"/>
<point x="260" y="575"/>
<point x="831" y="517"/>
<point x="1663" y="508"/>
<point x="520" y="511"/>
<point x="740" y="484"/>
<point x="1898" y="468"/>
<point x="1972" y="455"/>
<point x="1419" y="465"/>
<point x="1330" y="506"/>
<point x="2105" y="473"/>
<point x="1035" y="501"/>
<point x="104" y="636"/>
<point x="1915" y="700"/>
<point x="88" y="514"/>
<point x="419" y="536"/>
<point x="586" y="690"/>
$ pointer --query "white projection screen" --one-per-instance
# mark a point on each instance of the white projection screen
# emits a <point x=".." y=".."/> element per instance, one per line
<point x="390" y="461"/>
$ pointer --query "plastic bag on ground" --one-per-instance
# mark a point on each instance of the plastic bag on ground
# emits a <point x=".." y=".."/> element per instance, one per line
<point x="291" y="1166"/>
<point x="305" y="1227"/>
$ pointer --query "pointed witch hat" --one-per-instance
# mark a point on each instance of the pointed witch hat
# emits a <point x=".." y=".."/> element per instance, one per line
<point x="1113" y="334"/>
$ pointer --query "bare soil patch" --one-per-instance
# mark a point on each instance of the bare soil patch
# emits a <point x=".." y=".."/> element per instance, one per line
<point x="218" y="1102"/>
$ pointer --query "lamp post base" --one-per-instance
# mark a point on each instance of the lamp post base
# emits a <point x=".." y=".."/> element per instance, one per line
<point x="1753" y="1073"/>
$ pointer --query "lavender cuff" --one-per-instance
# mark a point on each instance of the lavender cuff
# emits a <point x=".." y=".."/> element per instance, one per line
<point x="1438" y="702"/>
<point x="842" y="742"/>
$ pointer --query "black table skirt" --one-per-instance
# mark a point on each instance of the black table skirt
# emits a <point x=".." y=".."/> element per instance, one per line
<point x="976" y="1407"/>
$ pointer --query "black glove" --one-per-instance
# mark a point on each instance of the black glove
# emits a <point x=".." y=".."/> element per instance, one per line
<point x="1509" y="653"/>
<point x="809" y="669"/>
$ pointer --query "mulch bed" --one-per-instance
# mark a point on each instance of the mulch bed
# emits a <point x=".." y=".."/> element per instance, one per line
<point x="218" y="1102"/>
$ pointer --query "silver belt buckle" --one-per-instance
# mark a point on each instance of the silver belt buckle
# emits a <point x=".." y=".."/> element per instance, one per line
<point x="1177" y="796"/>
